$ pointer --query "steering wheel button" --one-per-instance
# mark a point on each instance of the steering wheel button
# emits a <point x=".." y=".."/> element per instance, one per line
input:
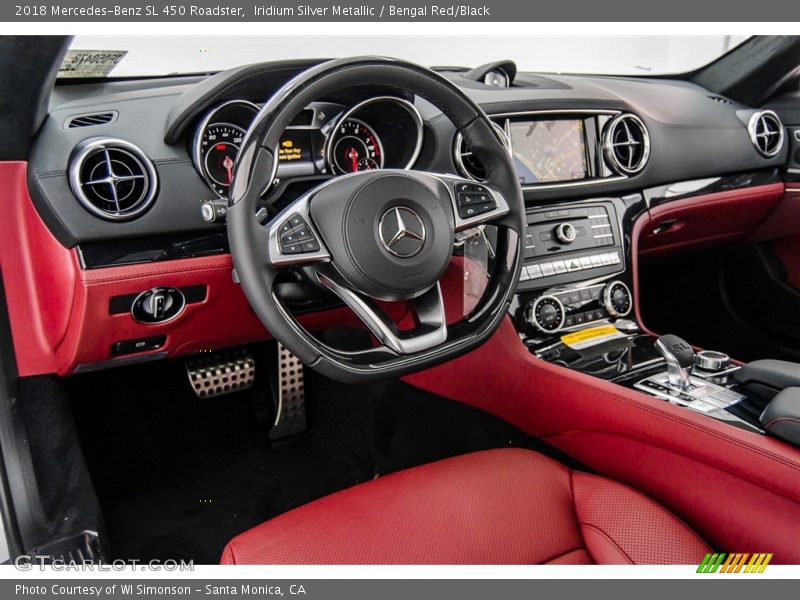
<point x="310" y="245"/>
<point x="473" y="198"/>
<point x="302" y="233"/>
<point x="291" y="249"/>
<point x="296" y="221"/>
<point x="467" y="187"/>
<point x="473" y="210"/>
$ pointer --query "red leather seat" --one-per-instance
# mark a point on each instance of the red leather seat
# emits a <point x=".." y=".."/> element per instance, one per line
<point x="506" y="506"/>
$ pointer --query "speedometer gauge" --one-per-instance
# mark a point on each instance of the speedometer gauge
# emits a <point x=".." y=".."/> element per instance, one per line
<point x="354" y="146"/>
<point x="219" y="148"/>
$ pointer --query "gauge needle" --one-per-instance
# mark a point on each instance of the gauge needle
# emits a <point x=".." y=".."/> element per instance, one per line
<point x="228" y="165"/>
<point x="353" y="156"/>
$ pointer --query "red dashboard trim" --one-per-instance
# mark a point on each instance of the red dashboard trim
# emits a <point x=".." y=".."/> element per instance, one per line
<point x="59" y="313"/>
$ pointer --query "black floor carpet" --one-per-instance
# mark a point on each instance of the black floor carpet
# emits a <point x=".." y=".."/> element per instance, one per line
<point x="178" y="477"/>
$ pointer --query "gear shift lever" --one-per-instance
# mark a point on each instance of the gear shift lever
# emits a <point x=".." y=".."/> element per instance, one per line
<point x="679" y="357"/>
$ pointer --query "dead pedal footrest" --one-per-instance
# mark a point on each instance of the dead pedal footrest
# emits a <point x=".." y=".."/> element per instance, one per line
<point x="221" y="373"/>
<point x="290" y="417"/>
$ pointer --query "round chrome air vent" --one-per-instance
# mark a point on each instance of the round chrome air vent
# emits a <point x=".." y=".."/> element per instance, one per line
<point x="112" y="179"/>
<point x="467" y="163"/>
<point x="766" y="132"/>
<point x="626" y="144"/>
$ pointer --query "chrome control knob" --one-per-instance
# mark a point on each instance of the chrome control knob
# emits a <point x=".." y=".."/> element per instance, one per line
<point x="566" y="233"/>
<point x="214" y="210"/>
<point x="617" y="299"/>
<point x="709" y="360"/>
<point x="546" y="314"/>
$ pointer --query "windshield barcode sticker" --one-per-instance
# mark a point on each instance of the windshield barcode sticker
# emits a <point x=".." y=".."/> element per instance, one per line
<point x="90" y="63"/>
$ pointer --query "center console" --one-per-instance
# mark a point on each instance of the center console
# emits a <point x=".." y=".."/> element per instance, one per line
<point x="574" y="308"/>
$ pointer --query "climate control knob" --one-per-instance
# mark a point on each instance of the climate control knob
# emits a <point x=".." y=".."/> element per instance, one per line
<point x="617" y="299"/>
<point x="566" y="233"/>
<point x="546" y="314"/>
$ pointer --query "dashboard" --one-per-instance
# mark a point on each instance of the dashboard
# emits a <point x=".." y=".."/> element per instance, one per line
<point x="121" y="172"/>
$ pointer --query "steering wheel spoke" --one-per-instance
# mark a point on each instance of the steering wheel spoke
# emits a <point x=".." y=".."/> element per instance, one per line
<point x="293" y="239"/>
<point x="428" y="312"/>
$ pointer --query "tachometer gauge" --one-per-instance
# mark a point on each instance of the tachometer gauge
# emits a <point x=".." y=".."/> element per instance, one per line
<point x="219" y="148"/>
<point x="354" y="146"/>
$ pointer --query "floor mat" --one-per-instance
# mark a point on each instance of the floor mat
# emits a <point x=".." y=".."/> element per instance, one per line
<point x="178" y="477"/>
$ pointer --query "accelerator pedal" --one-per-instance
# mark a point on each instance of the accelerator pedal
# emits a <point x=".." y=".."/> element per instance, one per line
<point x="290" y="414"/>
<point x="219" y="373"/>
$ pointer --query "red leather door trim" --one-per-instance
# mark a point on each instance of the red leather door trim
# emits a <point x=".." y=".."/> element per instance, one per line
<point x="707" y="220"/>
<point x="39" y="276"/>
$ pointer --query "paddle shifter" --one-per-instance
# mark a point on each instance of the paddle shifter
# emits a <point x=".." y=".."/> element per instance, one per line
<point x="679" y="357"/>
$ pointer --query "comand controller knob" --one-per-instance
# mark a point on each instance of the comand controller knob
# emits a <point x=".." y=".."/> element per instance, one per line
<point x="617" y="299"/>
<point x="566" y="233"/>
<point x="546" y="314"/>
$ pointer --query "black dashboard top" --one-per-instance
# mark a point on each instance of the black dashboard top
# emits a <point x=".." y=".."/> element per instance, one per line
<point x="693" y="134"/>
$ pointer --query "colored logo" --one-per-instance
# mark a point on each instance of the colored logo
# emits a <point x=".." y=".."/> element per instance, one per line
<point x="735" y="563"/>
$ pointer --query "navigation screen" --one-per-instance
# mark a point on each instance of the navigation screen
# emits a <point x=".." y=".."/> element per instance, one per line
<point x="546" y="151"/>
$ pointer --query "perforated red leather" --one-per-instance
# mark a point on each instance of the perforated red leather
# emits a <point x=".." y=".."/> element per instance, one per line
<point x="506" y="506"/>
<point x="611" y="518"/>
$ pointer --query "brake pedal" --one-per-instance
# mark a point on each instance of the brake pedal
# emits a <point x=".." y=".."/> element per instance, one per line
<point x="290" y="417"/>
<point x="221" y="373"/>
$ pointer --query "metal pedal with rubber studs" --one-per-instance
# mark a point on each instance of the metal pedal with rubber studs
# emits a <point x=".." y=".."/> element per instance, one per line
<point x="290" y="417"/>
<point x="221" y="373"/>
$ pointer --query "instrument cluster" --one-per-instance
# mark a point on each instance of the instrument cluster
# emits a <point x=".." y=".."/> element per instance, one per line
<point x="324" y="139"/>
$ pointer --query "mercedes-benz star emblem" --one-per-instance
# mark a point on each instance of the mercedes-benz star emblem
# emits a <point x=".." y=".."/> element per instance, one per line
<point x="402" y="232"/>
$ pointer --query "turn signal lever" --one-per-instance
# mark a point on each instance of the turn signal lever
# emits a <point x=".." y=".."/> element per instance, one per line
<point x="679" y="357"/>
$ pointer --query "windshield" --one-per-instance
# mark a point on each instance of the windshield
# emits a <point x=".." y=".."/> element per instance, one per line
<point x="610" y="55"/>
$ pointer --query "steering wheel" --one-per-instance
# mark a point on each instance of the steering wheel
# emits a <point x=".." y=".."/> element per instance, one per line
<point x="376" y="235"/>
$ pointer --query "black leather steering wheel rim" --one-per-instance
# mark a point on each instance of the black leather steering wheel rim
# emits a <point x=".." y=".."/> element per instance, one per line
<point x="255" y="169"/>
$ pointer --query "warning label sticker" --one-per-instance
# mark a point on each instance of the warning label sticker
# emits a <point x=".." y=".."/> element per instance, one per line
<point x="90" y="63"/>
<point x="594" y="336"/>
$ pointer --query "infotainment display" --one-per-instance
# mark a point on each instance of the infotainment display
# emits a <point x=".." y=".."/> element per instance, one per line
<point x="547" y="151"/>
